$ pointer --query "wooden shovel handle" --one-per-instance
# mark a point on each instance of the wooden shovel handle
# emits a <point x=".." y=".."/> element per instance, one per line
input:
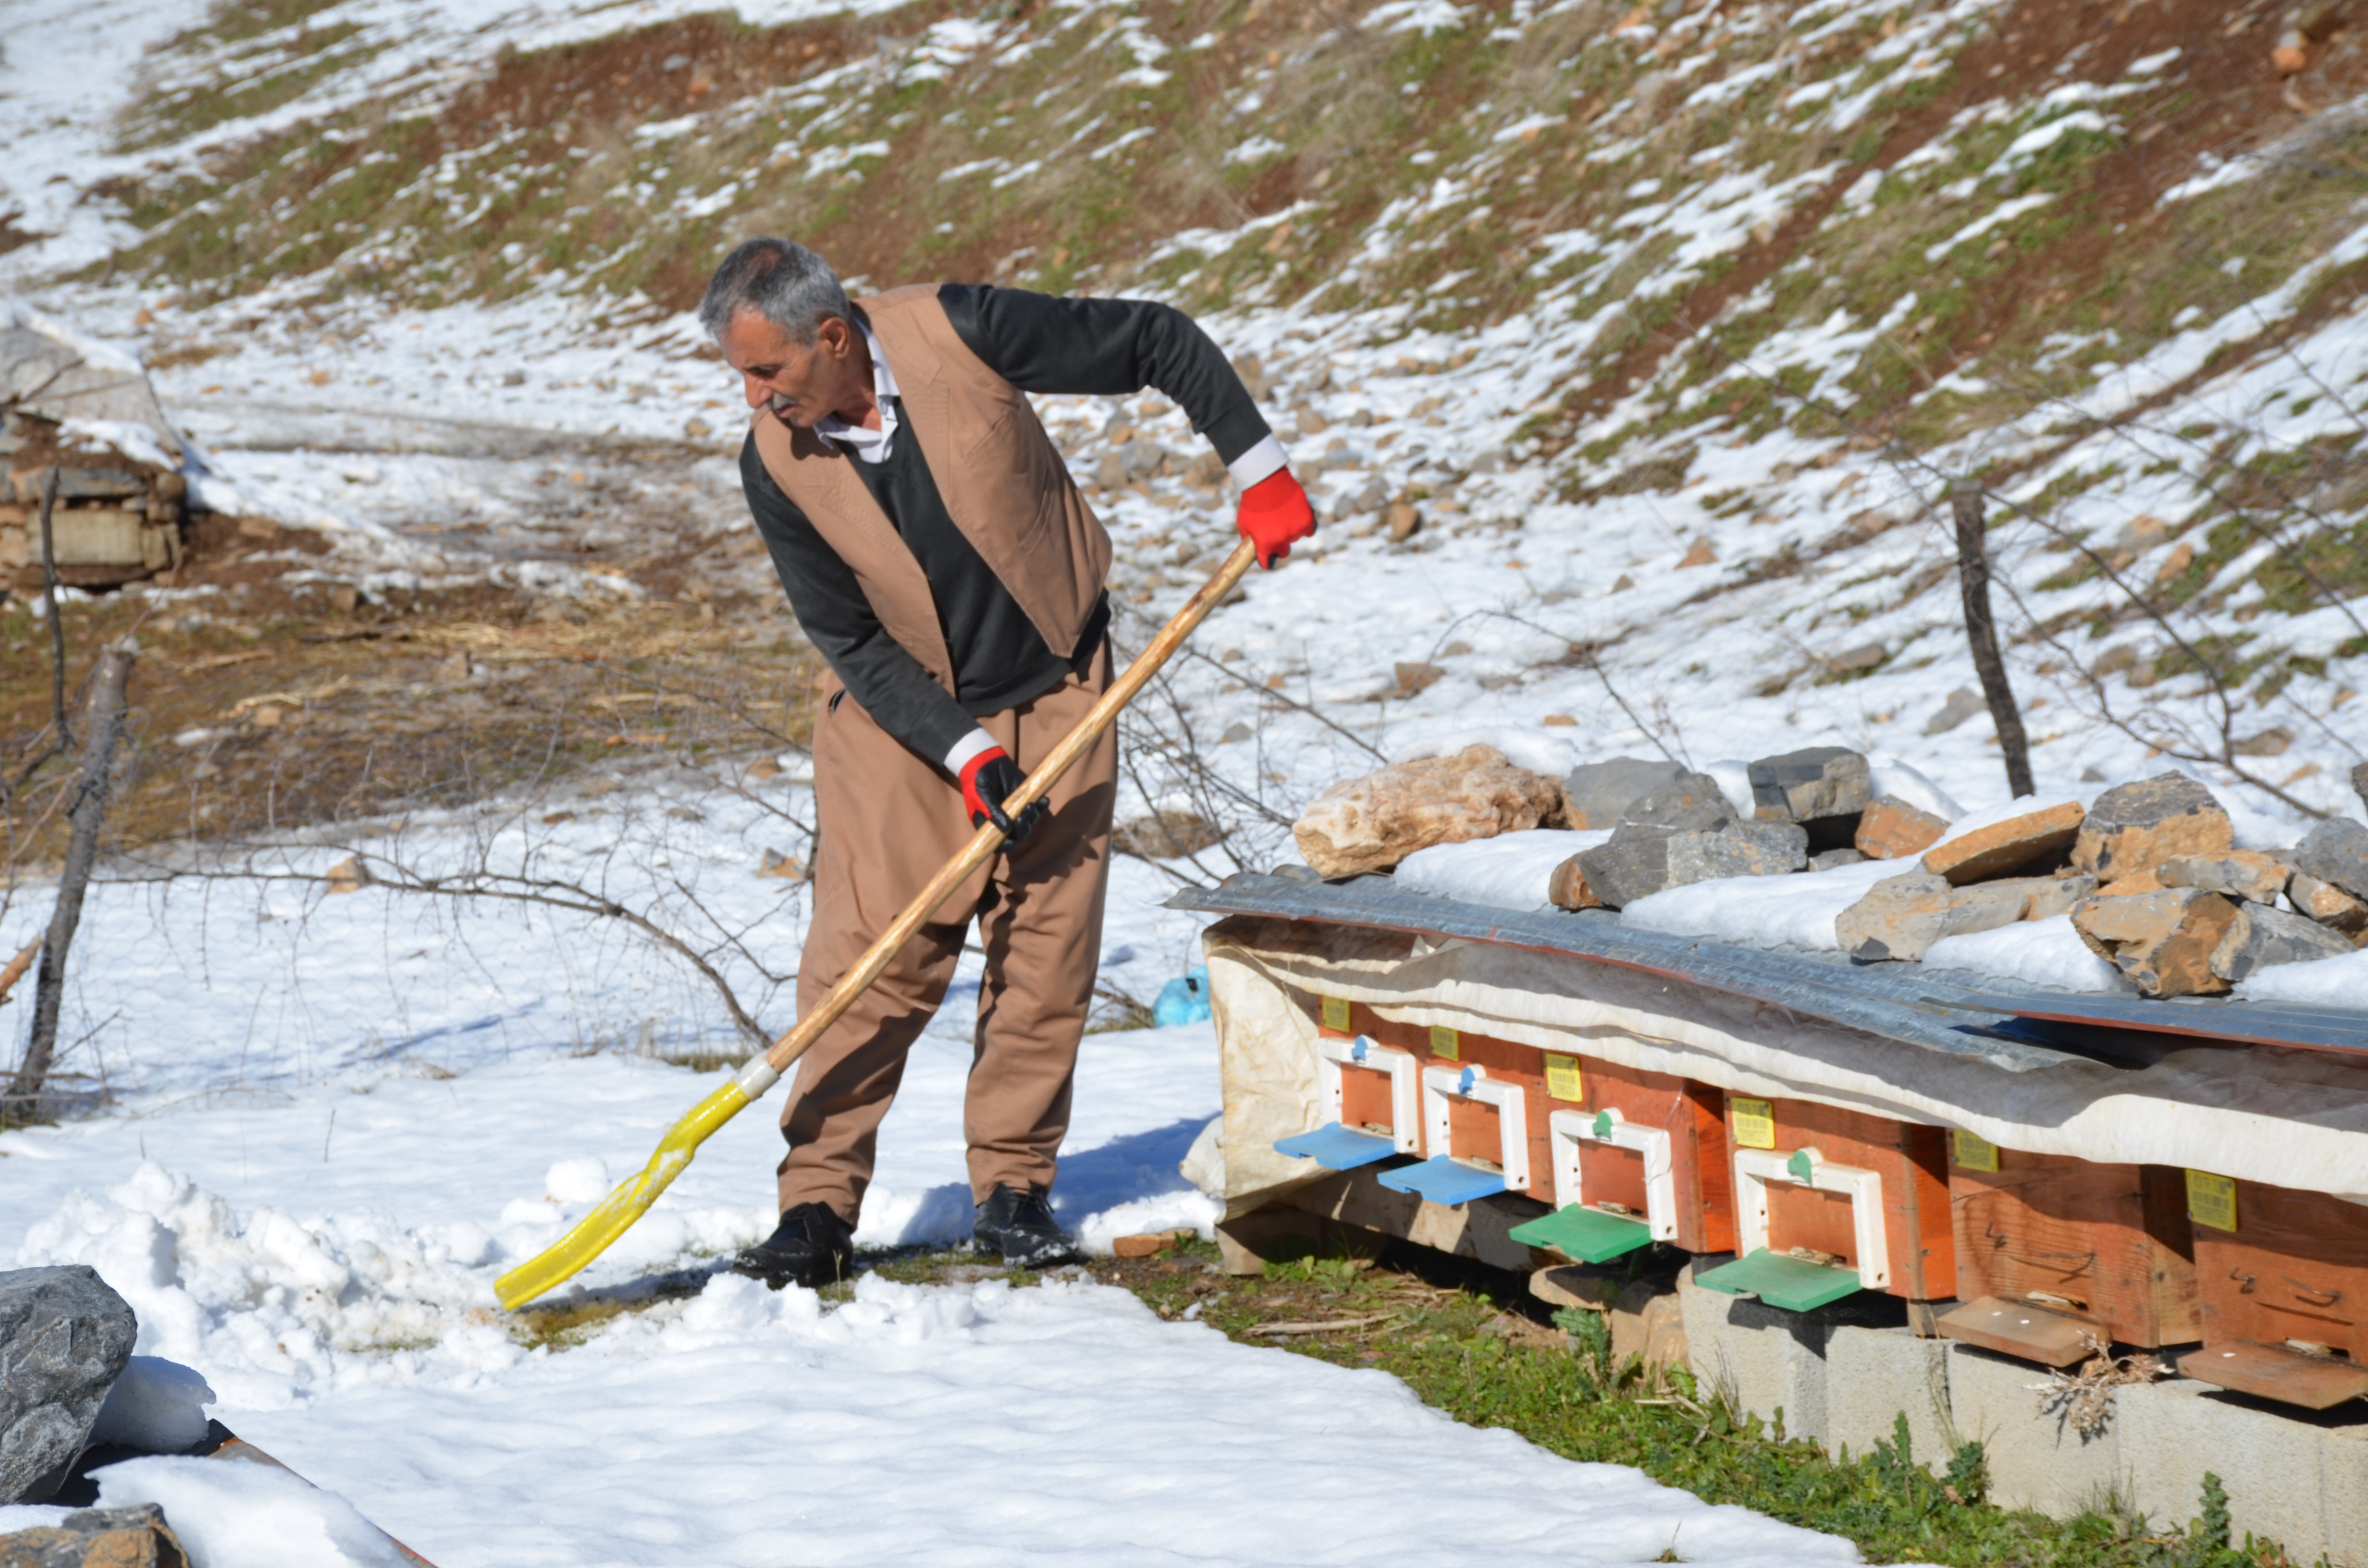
<point x="988" y="839"/>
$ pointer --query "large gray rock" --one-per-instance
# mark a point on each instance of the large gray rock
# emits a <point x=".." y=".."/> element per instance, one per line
<point x="2163" y="941"/>
<point x="1595" y="793"/>
<point x="1692" y="803"/>
<point x="1738" y="849"/>
<point x="1636" y="863"/>
<point x="2239" y="873"/>
<point x="1802" y="786"/>
<point x="64" y="1336"/>
<point x="1901" y="917"/>
<point x="2263" y="936"/>
<point x="1640" y="860"/>
<point x="1371" y="824"/>
<point x="2336" y="851"/>
<point x="2329" y="904"/>
<point x="2133" y="828"/>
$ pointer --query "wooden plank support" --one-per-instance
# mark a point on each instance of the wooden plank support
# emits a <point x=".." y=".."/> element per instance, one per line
<point x="1478" y="1230"/>
<point x="2070" y="1245"/>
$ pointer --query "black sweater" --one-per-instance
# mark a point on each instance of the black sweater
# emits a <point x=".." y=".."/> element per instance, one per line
<point x="1040" y="344"/>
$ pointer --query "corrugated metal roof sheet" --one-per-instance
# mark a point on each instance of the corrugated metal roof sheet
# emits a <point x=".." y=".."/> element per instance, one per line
<point x="2013" y="1027"/>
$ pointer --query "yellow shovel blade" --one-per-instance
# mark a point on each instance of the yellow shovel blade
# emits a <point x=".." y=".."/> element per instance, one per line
<point x="590" y="1236"/>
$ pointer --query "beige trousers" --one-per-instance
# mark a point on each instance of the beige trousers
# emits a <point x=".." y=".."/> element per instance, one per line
<point x="888" y="822"/>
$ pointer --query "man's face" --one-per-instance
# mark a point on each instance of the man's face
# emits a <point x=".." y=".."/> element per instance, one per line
<point x="801" y="384"/>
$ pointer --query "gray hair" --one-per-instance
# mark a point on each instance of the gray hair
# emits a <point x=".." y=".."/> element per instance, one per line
<point x="782" y="281"/>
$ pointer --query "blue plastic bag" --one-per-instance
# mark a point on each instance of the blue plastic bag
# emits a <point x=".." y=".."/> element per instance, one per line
<point x="1184" y="1001"/>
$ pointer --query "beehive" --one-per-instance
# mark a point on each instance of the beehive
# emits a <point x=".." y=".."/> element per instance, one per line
<point x="1828" y="1201"/>
<point x="1637" y="1157"/>
<point x="2281" y="1281"/>
<point x="1368" y="1101"/>
<point x="2056" y="1256"/>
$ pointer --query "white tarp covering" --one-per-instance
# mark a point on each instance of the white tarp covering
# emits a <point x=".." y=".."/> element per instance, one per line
<point x="2295" y="1119"/>
<point x="48" y="370"/>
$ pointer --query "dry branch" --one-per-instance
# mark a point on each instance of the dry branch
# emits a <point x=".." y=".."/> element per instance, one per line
<point x="88" y="814"/>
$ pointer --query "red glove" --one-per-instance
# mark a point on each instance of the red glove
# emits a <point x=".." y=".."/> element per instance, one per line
<point x="987" y="780"/>
<point x="1275" y="513"/>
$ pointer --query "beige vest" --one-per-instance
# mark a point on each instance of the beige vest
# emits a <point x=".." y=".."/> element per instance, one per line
<point x="998" y="473"/>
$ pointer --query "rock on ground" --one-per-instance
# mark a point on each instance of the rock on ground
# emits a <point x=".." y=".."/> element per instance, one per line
<point x="2163" y="941"/>
<point x="1595" y="793"/>
<point x="1804" y="786"/>
<point x="1642" y="859"/>
<point x="1891" y="829"/>
<point x="2008" y="846"/>
<point x="2335" y="852"/>
<point x="2136" y="827"/>
<point x="1961" y="705"/>
<point x="2360" y="783"/>
<point x="1371" y="824"/>
<point x="97" y="1537"/>
<point x="2261" y="937"/>
<point x="1738" y="849"/>
<point x="2240" y="873"/>
<point x="1902" y="917"/>
<point x="2329" y="904"/>
<point x="1567" y="889"/>
<point x="65" y="1337"/>
<point x="1691" y="803"/>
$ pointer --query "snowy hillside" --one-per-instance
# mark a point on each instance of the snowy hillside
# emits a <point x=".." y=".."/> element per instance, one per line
<point x="1672" y="324"/>
<point x="1631" y="352"/>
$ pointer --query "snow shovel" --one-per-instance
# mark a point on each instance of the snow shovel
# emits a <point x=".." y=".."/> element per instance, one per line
<point x="615" y="1214"/>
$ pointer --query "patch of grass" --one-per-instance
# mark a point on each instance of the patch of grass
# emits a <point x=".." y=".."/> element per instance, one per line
<point x="1472" y="1343"/>
<point x="205" y="78"/>
<point x="371" y="719"/>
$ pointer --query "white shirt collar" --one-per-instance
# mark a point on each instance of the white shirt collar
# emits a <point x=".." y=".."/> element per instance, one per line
<point x="871" y="446"/>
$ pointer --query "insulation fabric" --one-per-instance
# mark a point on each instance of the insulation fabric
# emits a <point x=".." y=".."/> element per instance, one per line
<point x="2293" y="1119"/>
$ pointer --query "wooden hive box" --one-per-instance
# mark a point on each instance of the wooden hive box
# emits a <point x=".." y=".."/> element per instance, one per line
<point x="1482" y="1104"/>
<point x="1828" y="1201"/>
<point x="2055" y="1254"/>
<point x="1637" y="1157"/>
<point x="2281" y="1279"/>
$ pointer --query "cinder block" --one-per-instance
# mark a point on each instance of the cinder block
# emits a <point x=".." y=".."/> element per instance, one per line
<point x="2343" y="1493"/>
<point x="1875" y="1375"/>
<point x="2035" y="1461"/>
<point x="1767" y="1359"/>
<point x="2297" y="1477"/>
<point x="1841" y="1376"/>
<point x="2293" y="1476"/>
<point x="1771" y="1360"/>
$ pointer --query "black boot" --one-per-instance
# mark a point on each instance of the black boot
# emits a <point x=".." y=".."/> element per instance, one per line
<point x="813" y="1247"/>
<point x="1017" y="1223"/>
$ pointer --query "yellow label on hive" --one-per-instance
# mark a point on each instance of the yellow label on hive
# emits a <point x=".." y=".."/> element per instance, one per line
<point x="1563" y="1080"/>
<point x="2212" y="1200"/>
<point x="1336" y="1013"/>
<point x="1754" y="1123"/>
<point x="1446" y="1042"/>
<point x="1972" y="1152"/>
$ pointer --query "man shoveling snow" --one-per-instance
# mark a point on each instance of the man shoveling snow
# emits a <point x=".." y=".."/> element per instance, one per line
<point x="938" y="555"/>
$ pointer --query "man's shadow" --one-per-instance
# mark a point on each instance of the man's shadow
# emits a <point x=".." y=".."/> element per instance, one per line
<point x="1141" y="1164"/>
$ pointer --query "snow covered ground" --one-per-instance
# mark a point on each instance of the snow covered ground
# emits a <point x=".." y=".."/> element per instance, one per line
<point x="339" y="1118"/>
<point x="335" y="1119"/>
